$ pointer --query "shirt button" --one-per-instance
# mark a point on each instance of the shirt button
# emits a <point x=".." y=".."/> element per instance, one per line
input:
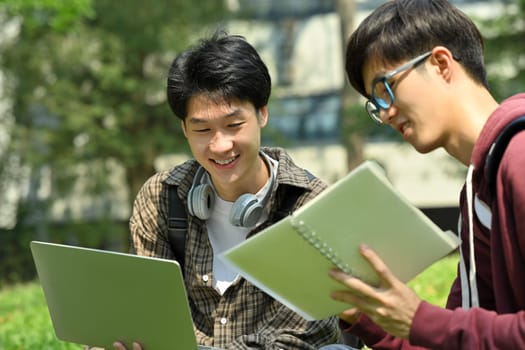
<point x="205" y="278"/>
<point x="224" y="320"/>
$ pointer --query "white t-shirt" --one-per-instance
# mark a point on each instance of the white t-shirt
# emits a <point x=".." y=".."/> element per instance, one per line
<point x="223" y="235"/>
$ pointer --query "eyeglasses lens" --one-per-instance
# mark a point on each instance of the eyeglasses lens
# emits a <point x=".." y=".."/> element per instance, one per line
<point x="373" y="111"/>
<point x="383" y="94"/>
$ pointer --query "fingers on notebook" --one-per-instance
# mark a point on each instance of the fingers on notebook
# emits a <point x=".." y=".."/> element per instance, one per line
<point x="117" y="346"/>
<point x="120" y="346"/>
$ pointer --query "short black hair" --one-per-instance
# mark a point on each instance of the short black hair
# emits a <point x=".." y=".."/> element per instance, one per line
<point x="399" y="30"/>
<point x="224" y="66"/>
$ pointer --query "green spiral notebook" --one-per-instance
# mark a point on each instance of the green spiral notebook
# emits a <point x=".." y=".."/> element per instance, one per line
<point x="290" y="260"/>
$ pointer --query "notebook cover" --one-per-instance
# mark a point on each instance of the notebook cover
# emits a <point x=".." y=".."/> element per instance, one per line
<point x="290" y="260"/>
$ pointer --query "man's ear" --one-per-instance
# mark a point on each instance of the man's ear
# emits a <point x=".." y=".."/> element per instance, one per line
<point x="183" y="126"/>
<point x="443" y="61"/>
<point x="262" y="116"/>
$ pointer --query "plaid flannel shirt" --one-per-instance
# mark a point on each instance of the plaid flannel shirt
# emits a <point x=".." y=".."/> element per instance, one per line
<point x="243" y="317"/>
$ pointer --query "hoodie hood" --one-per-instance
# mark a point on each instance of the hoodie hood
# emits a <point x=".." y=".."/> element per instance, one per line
<point x="510" y="109"/>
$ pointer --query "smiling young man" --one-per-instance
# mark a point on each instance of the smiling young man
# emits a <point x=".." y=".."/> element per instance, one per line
<point x="420" y="65"/>
<point x="232" y="189"/>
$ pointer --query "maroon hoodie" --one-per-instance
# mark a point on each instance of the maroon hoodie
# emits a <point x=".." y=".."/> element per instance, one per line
<point x="499" y="246"/>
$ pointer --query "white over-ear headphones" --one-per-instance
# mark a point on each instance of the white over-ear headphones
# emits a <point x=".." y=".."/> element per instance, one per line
<point x="246" y="210"/>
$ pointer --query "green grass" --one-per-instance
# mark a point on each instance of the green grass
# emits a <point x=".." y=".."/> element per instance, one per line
<point x="24" y="320"/>
<point x="433" y="284"/>
<point x="25" y="323"/>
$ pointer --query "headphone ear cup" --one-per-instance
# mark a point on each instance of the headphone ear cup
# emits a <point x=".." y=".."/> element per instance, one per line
<point x="246" y="211"/>
<point x="200" y="201"/>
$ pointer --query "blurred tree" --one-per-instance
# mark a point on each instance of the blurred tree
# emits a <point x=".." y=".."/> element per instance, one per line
<point x="87" y="83"/>
<point x="356" y="124"/>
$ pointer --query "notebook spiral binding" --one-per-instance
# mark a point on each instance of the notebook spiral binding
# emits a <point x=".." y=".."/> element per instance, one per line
<point x="313" y="238"/>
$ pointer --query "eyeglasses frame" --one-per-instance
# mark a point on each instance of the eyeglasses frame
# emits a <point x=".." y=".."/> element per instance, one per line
<point x="373" y="105"/>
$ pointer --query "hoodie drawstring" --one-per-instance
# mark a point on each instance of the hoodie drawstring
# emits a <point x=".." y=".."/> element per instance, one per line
<point x="469" y="289"/>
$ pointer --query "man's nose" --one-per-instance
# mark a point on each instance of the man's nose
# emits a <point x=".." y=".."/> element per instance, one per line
<point x="221" y="142"/>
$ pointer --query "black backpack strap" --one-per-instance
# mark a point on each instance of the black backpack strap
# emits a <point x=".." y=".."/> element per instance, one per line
<point x="177" y="225"/>
<point x="291" y="195"/>
<point x="498" y="148"/>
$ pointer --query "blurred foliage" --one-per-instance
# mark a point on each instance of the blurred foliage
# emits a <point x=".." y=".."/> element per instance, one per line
<point x="15" y="256"/>
<point x="46" y="15"/>
<point x="86" y="81"/>
<point x="505" y="50"/>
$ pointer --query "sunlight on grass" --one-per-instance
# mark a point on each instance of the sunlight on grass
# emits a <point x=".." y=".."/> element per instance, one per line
<point x="433" y="284"/>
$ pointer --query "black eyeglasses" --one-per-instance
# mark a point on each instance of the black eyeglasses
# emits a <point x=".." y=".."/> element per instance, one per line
<point x="382" y="94"/>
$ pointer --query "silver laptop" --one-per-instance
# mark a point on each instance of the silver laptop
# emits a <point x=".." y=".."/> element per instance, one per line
<point x="96" y="297"/>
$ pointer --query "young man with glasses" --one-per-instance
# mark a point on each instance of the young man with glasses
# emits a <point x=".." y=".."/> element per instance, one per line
<point x="420" y="64"/>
